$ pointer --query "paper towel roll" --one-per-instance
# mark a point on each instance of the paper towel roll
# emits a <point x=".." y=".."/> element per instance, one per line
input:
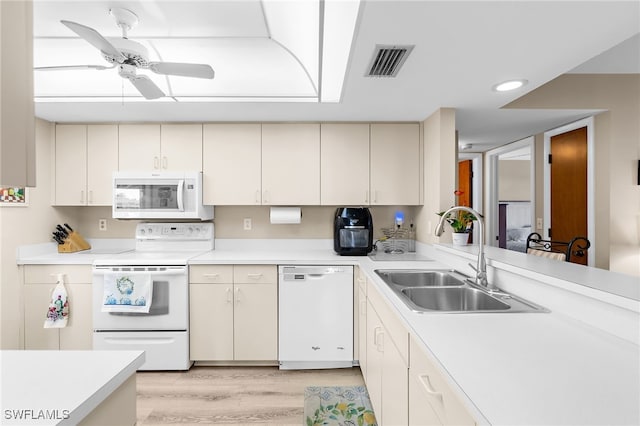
<point x="285" y="215"/>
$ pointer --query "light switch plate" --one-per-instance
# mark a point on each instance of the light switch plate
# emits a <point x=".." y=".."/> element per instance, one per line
<point x="539" y="223"/>
<point x="247" y="224"/>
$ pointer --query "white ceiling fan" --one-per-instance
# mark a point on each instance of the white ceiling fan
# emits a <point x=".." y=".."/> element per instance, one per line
<point x="128" y="55"/>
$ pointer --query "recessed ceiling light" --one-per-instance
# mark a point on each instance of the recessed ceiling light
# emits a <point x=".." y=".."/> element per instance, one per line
<point x="505" y="86"/>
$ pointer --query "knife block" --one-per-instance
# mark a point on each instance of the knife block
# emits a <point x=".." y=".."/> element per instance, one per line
<point x="73" y="243"/>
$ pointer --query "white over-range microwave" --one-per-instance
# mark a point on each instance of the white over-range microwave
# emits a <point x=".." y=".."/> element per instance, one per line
<point x="164" y="195"/>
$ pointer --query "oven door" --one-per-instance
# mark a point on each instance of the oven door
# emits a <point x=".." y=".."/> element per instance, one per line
<point x="169" y="310"/>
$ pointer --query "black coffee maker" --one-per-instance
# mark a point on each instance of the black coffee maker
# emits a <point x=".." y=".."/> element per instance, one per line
<point x="353" y="231"/>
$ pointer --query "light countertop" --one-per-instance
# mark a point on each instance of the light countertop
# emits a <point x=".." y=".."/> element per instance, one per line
<point x="554" y="368"/>
<point x="67" y="384"/>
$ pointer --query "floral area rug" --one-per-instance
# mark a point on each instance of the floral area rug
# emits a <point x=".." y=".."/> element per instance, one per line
<point x="338" y="406"/>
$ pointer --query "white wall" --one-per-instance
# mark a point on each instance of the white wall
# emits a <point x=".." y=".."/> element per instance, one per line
<point x="514" y="180"/>
<point x="440" y="173"/>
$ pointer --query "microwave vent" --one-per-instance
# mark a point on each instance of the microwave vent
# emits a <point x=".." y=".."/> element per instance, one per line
<point x="387" y="60"/>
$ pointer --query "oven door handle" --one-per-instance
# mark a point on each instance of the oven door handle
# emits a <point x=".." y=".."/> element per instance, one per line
<point x="181" y="195"/>
<point x="165" y="272"/>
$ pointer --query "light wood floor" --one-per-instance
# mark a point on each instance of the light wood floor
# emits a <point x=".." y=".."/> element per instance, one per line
<point x="232" y="395"/>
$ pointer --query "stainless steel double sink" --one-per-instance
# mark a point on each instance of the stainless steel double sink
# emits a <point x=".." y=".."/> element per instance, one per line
<point x="442" y="290"/>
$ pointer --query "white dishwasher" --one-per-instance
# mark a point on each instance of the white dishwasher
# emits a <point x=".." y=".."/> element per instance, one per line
<point x="315" y="317"/>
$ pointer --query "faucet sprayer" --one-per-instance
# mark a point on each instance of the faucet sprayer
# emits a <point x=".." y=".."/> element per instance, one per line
<point x="481" y="266"/>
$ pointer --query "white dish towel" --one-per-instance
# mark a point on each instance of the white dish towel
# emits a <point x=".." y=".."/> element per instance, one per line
<point x="127" y="292"/>
<point x="58" y="313"/>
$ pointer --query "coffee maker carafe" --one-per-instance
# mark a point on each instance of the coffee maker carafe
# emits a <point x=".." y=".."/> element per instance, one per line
<point x="353" y="231"/>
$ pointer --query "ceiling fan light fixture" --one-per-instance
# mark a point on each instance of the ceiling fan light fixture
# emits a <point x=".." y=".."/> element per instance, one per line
<point x="509" y="85"/>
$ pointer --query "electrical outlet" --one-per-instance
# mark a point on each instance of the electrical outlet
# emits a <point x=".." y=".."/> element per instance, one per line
<point x="539" y="223"/>
<point x="247" y="224"/>
<point x="102" y="224"/>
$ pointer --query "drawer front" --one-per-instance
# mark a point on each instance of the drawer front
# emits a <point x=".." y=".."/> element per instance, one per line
<point x="47" y="274"/>
<point x="255" y="274"/>
<point x="428" y="384"/>
<point x="211" y="274"/>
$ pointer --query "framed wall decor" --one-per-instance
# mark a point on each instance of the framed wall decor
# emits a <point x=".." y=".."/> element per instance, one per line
<point x="13" y="197"/>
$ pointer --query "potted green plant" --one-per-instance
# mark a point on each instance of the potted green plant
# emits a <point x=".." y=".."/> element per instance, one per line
<point x="461" y="223"/>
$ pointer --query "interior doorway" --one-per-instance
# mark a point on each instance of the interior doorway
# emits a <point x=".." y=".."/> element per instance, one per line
<point x="475" y="192"/>
<point x="568" y="181"/>
<point x="511" y="195"/>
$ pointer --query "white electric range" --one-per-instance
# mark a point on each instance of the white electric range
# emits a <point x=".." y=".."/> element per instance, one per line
<point x="123" y="319"/>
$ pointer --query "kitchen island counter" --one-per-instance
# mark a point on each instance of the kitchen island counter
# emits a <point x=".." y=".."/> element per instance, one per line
<point x="69" y="387"/>
<point x="577" y="364"/>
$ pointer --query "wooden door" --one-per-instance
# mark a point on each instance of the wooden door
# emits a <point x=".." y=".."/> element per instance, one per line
<point x="465" y="186"/>
<point x="568" y="165"/>
<point x="465" y="176"/>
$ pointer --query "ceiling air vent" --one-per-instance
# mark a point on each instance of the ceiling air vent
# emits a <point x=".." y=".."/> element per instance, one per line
<point x="387" y="60"/>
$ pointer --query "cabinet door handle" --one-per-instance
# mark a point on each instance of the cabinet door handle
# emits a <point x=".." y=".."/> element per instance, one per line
<point x="257" y="196"/>
<point x="265" y="197"/>
<point x="255" y="276"/>
<point x="429" y="389"/>
<point x="237" y="295"/>
<point x="90" y="200"/>
<point x="378" y="338"/>
<point x="229" y="295"/>
<point x="165" y="162"/>
<point x="375" y="196"/>
<point x="81" y="196"/>
<point x="156" y="162"/>
<point x="366" y="197"/>
<point x="212" y="276"/>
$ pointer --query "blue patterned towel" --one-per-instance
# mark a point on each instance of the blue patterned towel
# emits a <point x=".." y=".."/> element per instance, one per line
<point x="127" y="292"/>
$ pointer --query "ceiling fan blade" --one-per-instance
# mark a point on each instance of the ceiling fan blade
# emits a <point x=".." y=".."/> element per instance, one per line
<point x="95" y="39"/>
<point x="146" y="87"/>
<point x="74" y="67"/>
<point x="181" y="69"/>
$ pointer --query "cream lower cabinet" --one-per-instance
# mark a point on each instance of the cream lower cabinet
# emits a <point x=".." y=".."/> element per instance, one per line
<point x="431" y="400"/>
<point x="387" y="371"/>
<point x="38" y="283"/>
<point x="361" y="321"/>
<point x="233" y="313"/>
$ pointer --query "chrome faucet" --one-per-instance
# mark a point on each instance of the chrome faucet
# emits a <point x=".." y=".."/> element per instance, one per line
<point x="481" y="266"/>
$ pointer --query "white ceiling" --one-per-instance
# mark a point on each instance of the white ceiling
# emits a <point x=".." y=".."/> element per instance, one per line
<point x="461" y="50"/>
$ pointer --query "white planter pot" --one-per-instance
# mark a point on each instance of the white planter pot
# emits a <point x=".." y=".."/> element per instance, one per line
<point x="460" y="238"/>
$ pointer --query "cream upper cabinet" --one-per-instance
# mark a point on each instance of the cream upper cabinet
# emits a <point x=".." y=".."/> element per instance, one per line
<point x="139" y="147"/>
<point x="85" y="158"/>
<point x="102" y="161"/>
<point x="181" y="147"/>
<point x="395" y="164"/>
<point x="71" y="165"/>
<point x="166" y="147"/>
<point x="344" y="164"/>
<point x="291" y="164"/>
<point x="231" y="164"/>
<point x="17" y="124"/>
